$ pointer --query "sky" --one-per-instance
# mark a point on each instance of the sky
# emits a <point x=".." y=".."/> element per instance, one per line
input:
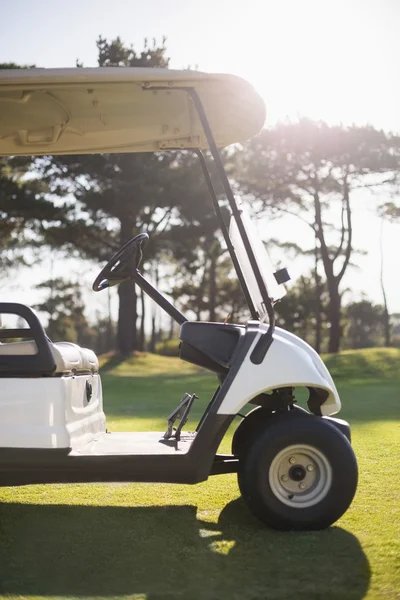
<point x="327" y="59"/>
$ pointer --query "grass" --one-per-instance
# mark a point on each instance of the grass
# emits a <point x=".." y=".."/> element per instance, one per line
<point x="166" y="542"/>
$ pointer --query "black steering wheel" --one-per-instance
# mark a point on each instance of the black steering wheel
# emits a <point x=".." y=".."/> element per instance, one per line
<point x="122" y="265"/>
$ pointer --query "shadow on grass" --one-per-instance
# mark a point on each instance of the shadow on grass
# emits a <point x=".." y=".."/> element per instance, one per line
<point x="112" y="361"/>
<point x="166" y="553"/>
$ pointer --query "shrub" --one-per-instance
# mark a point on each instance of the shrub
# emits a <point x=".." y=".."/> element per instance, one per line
<point x="168" y="348"/>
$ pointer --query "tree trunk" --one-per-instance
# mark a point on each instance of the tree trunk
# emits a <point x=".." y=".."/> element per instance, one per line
<point x="110" y="330"/>
<point x="386" y="314"/>
<point x="318" y="294"/>
<point x="127" y="313"/>
<point x="153" y="336"/>
<point x="334" y="314"/>
<point x="126" y="335"/>
<point x="152" y="345"/>
<point x="201" y="291"/>
<point x="141" y="340"/>
<point x="171" y="329"/>
<point x="333" y="281"/>
<point x="212" y="293"/>
<point x="386" y="324"/>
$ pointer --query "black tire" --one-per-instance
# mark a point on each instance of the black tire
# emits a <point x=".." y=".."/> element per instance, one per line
<point x="254" y="423"/>
<point x="249" y="429"/>
<point x="331" y="482"/>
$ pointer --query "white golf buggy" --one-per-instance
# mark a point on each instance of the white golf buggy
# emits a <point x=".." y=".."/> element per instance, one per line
<point x="296" y="468"/>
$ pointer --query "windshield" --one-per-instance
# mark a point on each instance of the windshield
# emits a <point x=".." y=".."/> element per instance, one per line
<point x="275" y="290"/>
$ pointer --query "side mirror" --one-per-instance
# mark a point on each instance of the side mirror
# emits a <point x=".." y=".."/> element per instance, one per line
<point x="282" y="276"/>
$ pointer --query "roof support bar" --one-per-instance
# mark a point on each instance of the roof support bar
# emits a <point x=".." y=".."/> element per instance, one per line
<point x="234" y="207"/>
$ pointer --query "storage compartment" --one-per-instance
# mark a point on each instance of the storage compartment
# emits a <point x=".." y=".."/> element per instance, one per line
<point x="50" y="412"/>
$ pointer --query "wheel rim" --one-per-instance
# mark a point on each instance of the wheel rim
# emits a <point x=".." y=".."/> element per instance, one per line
<point x="300" y="476"/>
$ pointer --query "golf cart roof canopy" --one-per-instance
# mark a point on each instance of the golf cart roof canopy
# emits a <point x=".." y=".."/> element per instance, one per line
<point x="107" y="110"/>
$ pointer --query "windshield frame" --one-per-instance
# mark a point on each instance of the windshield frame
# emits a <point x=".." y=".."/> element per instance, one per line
<point x="237" y="215"/>
<point x="276" y="291"/>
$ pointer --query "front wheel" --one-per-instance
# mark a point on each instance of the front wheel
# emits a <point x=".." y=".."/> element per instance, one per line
<point x="298" y="474"/>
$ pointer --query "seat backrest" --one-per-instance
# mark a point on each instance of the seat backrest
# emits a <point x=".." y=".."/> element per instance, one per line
<point x="35" y="363"/>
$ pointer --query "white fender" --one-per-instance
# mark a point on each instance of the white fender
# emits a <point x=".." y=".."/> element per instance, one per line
<point x="289" y="362"/>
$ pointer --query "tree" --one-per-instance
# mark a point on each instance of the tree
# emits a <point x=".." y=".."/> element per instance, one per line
<point x="25" y="213"/>
<point x="396" y="329"/>
<point x="386" y="314"/>
<point x="65" y="309"/>
<point x="299" y="313"/>
<point x="212" y="290"/>
<point x="11" y="65"/>
<point x="365" y="321"/>
<point x="311" y="170"/>
<point x="391" y="211"/>
<point x="317" y="298"/>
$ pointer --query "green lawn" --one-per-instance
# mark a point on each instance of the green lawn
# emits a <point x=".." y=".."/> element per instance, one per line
<point x="166" y="542"/>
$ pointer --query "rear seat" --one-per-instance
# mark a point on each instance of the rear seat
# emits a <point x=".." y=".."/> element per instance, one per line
<point x="69" y="357"/>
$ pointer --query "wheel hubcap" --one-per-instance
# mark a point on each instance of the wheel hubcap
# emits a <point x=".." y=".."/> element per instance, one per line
<point x="297" y="473"/>
<point x="300" y="476"/>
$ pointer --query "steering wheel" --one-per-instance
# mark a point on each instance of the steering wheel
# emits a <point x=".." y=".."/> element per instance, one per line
<point x="122" y="265"/>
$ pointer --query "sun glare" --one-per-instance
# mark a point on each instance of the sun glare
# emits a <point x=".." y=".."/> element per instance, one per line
<point x="326" y="60"/>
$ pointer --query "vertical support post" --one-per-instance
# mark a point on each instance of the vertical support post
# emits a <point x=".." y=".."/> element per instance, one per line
<point x="232" y="203"/>
<point x="225" y="233"/>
